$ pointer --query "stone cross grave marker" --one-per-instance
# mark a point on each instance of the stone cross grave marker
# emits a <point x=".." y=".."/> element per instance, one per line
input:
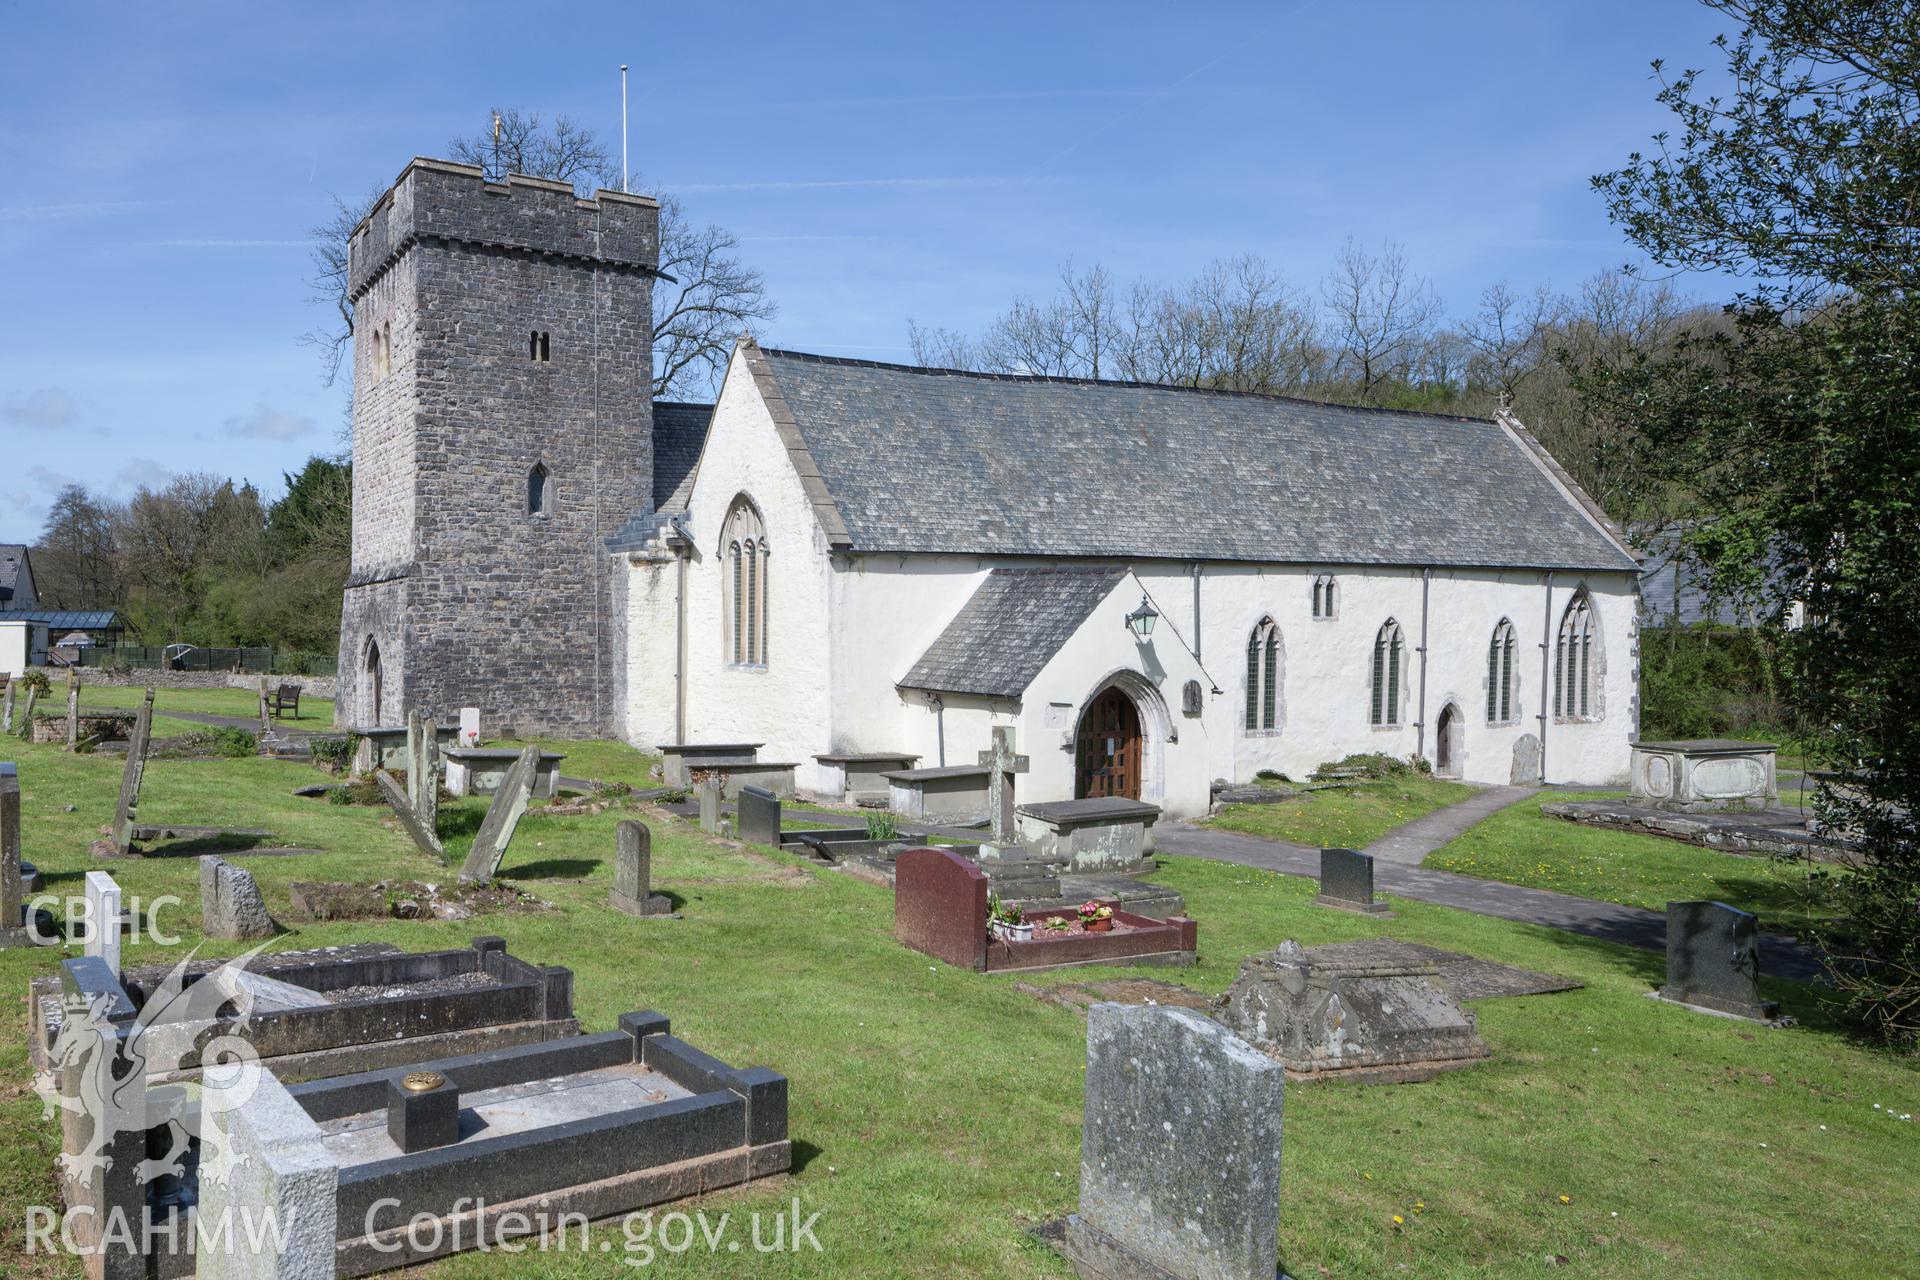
<point x="707" y="787"/>
<point x="633" y="873"/>
<point x="73" y="708"/>
<point x="1346" y="882"/>
<point x="6" y="707"/>
<point x="12" y="909"/>
<point x="503" y="818"/>
<point x="1713" y="960"/>
<point x="103" y="919"/>
<point x="128" y="808"/>
<point x="1001" y="765"/>
<point x="1180" y="1154"/>
<point x="423" y="769"/>
<point x="231" y="905"/>
<point x="424" y="837"/>
<point x="759" y="811"/>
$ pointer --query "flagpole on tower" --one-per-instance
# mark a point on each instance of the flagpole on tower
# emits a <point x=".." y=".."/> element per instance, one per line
<point x="623" y="126"/>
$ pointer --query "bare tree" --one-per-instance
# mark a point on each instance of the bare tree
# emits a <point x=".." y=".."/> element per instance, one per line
<point x="712" y="296"/>
<point x="943" y="348"/>
<point x="1378" y="317"/>
<point x="1508" y="337"/>
<point x="76" y="561"/>
<point x="1077" y="334"/>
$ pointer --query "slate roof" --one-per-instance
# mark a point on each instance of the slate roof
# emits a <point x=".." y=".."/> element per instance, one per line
<point x="1009" y="629"/>
<point x="13" y="562"/>
<point x="935" y="460"/>
<point x="679" y="432"/>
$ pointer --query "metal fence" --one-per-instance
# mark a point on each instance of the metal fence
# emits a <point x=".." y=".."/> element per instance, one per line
<point x="178" y="657"/>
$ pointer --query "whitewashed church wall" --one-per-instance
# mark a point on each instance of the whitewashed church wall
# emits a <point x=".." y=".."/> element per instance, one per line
<point x="784" y="704"/>
<point x="651" y="632"/>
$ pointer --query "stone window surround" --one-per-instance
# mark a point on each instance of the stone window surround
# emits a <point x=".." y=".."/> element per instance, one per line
<point x="1596" y="662"/>
<point x="541" y="491"/>
<point x="1394" y="719"/>
<point x="744" y="554"/>
<point x="1328" y="583"/>
<point x="1515" y="682"/>
<point x="1265" y="630"/>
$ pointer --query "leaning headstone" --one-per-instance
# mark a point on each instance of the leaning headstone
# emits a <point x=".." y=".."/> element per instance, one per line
<point x="1713" y="960"/>
<point x="423" y="769"/>
<point x="128" y="807"/>
<point x="73" y="708"/>
<point x="13" y="931"/>
<point x="6" y="706"/>
<point x="230" y="902"/>
<point x="1180" y="1151"/>
<point x="633" y="873"/>
<point x="103" y="918"/>
<point x="258" y="994"/>
<point x="1346" y="882"/>
<point x="759" y="815"/>
<point x="264" y="1161"/>
<point x="502" y="820"/>
<point x="424" y="837"/>
<point x="707" y="787"/>
<point x="26" y="713"/>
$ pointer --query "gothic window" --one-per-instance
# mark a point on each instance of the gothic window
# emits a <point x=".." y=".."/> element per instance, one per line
<point x="538" y="349"/>
<point x="1573" y="662"/>
<point x="1389" y="665"/>
<point x="539" y="490"/>
<point x="1500" y="675"/>
<point x="382" y="344"/>
<point x="1263" y="676"/>
<point x="743" y="544"/>
<point x="1323" y="596"/>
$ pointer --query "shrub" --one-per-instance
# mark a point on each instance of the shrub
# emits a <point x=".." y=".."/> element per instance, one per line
<point x="232" y="742"/>
<point x="1365" y="764"/>
<point x="881" y="826"/>
<point x="1705" y="681"/>
<point x="34" y="678"/>
<point x="335" y="749"/>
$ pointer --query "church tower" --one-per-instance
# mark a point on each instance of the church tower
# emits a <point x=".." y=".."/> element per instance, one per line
<point x="502" y="432"/>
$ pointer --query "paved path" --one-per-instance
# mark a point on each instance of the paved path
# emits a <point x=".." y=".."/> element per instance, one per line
<point x="1609" y="921"/>
<point x="1410" y="842"/>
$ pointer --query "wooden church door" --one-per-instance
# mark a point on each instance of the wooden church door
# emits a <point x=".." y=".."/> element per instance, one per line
<point x="1109" y="748"/>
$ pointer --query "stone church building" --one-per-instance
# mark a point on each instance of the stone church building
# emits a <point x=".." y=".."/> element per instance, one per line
<point x="1157" y="587"/>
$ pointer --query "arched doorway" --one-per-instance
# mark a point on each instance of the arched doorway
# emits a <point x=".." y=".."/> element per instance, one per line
<point x="373" y="682"/>
<point x="1107" y="750"/>
<point x="1446" y="742"/>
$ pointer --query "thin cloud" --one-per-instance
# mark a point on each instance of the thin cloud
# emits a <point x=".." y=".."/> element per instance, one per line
<point x="831" y="184"/>
<point x="959" y="99"/>
<point x="48" y="408"/>
<point x="270" y="424"/>
<point x="223" y="244"/>
<point x="82" y="209"/>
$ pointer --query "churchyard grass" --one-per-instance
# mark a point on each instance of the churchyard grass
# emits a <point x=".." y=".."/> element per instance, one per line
<point x="315" y="713"/>
<point x="1347" y="817"/>
<point x="600" y="760"/>
<point x="1521" y="845"/>
<point x="936" y="1113"/>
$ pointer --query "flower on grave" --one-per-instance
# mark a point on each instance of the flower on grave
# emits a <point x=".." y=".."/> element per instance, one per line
<point x="1057" y="924"/>
<point x="1094" y="911"/>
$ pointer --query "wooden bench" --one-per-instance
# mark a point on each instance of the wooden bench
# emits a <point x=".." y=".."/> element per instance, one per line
<point x="286" y="699"/>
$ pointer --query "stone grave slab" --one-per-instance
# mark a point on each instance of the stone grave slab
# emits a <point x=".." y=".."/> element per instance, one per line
<point x="1346" y="883"/>
<point x="632" y="890"/>
<point x="479" y="771"/>
<point x="956" y="795"/>
<point x="1759" y="831"/>
<point x="1180" y="1150"/>
<point x="1378" y="1019"/>
<point x="1102" y="835"/>
<point x="1467" y="977"/>
<point x="679" y="759"/>
<point x="855" y="778"/>
<point x="424" y="837"/>
<point x="1713" y="960"/>
<point x="502" y="820"/>
<point x="231" y="905"/>
<point x="940" y="909"/>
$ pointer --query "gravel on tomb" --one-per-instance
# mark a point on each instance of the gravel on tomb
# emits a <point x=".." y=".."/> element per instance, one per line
<point x="425" y="987"/>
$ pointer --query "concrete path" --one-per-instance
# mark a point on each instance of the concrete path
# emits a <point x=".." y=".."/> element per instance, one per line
<point x="1410" y="842"/>
<point x="1608" y="921"/>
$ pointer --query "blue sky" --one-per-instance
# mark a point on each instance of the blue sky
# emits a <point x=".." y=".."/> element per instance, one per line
<point x="880" y="161"/>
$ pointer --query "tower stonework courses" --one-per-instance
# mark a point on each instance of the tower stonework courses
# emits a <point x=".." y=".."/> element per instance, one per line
<point x="502" y="432"/>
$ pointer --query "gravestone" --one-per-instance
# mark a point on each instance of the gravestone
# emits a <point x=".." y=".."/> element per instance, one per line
<point x="26" y="713"/>
<point x="707" y="786"/>
<point x="230" y="902"/>
<point x="469" y="726"/>
<point x="13" y="931"/>
<point x="1526" y="761"/>
<point x="633" y="873"/>
<point x="424" y="837"/>
<point x="103" y="919"/>
<point x="265" y="709"/>
<point x="1001" y="764"/>
<point x="1346" y="882"/>
<point x="128" y="807"/>
<point x="1179" y="1152"/>
<point x="759" y="816"/>
<point x="6" y="706"/>
<point x="1713" y="960"/>
<point x="502" y="820"/>
<point x="423" y="769"/>
<point x="73" y="708"/>
<point x="266" y="1164"/>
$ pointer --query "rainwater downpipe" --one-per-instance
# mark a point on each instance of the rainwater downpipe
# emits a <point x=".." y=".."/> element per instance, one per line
<point x="1420" y="719"/>
<point x="680" y="647"/>
<point x="1546" y="644"/>
<point x="1196" y="611"/>
<point x="939" y="726"/>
